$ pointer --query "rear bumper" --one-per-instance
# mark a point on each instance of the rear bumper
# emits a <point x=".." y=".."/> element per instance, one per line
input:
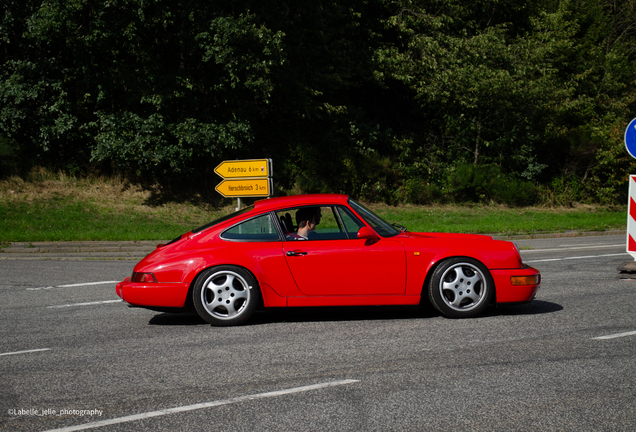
<point x="153" y="294"/>
<point x="508" y="293"/>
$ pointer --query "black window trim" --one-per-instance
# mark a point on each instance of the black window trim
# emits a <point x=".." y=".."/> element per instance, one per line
<point x="352" y="214"/>
<point x="360" y="216"/>
<point x="336" y="209"/>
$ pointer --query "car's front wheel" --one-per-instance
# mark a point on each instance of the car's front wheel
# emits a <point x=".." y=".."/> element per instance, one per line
<point x="226" y="295"/>
<point x="461" y="287"/>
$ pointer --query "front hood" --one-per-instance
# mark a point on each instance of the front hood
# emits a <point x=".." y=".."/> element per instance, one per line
<point x="451" y="236"/>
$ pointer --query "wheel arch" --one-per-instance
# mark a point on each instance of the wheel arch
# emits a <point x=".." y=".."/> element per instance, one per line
<point x="440" y="261"/>
<point x="189" y="302"/>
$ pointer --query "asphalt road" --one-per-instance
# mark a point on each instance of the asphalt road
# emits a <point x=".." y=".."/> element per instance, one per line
<point x="72" y="355"/>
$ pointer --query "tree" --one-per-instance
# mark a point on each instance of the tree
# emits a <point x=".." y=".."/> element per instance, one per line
<point x="365" y="97"/>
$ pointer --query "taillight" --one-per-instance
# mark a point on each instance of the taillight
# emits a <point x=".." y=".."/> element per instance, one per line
<point x="143" y="277"/>
<point x="524" y="280"/>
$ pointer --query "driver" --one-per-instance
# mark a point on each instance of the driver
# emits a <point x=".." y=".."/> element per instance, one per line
<point x="306" y="218"/>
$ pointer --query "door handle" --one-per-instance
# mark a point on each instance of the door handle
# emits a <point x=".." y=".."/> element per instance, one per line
<point x="296" y="253"/>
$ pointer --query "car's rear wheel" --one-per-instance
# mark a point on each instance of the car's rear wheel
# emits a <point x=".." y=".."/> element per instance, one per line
<point x="226" y="295"/>
<point x="461" y="287"/>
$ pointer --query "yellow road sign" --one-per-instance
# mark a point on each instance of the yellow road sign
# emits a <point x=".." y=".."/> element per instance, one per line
<point x="244" y="168"/>
<point x="254" y="187"/>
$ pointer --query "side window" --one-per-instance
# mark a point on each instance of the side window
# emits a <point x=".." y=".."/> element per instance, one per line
<point x="257" y="229"/>
<point x="352" y="224"/>
<point x="311" y="223"/>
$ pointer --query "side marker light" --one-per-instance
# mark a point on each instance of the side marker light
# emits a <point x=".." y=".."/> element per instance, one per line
<point x="524" y="280"/>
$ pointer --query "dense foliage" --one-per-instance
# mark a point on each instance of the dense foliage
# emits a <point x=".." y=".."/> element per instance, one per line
<point x="389" y="100"/>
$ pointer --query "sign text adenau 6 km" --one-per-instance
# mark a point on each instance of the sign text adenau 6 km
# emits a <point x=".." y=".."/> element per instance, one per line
<point x="244" y="168"/>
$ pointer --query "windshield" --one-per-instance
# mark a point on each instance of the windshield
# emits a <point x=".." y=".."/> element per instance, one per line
<point x="223" y="219"/>
<point x="377" y="223"/>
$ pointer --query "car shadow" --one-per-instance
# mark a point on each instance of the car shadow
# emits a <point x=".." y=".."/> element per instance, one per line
<point x="375" y="313"/>
<point x="177" y="319"/>
<point x="535" y="307"/>
<point x="342" y="313"/>
<point x="352" y="313"/>
<point x="304" y="314"/>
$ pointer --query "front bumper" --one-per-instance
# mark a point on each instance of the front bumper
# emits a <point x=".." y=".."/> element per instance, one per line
<point x="508" y="293"/>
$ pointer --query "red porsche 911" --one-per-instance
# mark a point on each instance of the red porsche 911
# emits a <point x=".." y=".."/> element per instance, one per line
<point x="324" y="250"/>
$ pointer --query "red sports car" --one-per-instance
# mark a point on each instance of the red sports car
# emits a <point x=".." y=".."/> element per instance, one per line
<point x="324" y="250"/>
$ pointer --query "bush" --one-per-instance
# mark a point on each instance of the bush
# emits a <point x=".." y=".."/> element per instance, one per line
<point x="515" y="192"/>
<point x="417" y="191"/>
<point x="8" y="158"/>
<point x="309" y="185"/>
<point x="486" y="183"/>
<point x="563" y="191"/>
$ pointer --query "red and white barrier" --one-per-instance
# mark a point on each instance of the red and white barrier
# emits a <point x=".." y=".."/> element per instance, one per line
<point x="631" y="217"/>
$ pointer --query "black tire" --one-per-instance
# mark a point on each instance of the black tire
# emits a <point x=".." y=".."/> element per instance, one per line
<point x="226" y="295"/>
<point x="461" y="287"/>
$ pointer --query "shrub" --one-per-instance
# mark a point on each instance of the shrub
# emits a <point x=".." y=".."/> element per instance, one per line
<point x="486" y="183"/>
<point x="563" y="191"/>
<point x="417" y="191"/>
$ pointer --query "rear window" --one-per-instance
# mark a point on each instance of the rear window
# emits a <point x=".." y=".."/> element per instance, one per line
<point x="258" y="229"/>
<point x="223" y="219"/>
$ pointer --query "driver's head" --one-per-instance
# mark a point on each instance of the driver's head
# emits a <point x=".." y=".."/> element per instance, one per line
<point x="306" y="215"/>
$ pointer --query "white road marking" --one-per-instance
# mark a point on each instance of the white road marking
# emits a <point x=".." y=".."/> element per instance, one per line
<point x="576" y="257"/>
<point x="617" y="335"/>
<point x="73" y="285"/>
<point x="201" y="406"/>
<point x="25" y="352"/>
<point x="87" y="283"/>
<point x="85" y="304"/>
<point x="589" y="244"/>
<point x="572" y="248"/>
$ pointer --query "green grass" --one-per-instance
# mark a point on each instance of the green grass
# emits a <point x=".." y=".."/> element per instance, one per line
<point x="47" y="206"/>
<point x="72" y="220"/>
<point x="69" y="219"/>
<point x="504" y="220"/>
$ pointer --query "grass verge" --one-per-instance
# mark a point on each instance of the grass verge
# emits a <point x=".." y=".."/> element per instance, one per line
<point x="504" y="220"/>
<point x="55" y="207"/>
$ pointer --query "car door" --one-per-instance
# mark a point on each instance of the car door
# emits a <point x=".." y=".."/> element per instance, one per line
<point x="334" y="262"/>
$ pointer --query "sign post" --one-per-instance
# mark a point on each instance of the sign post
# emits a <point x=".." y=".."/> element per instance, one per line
<point x="630" y="145"/>
<point x="245" y="179"/>
<point x="631" y="218"/>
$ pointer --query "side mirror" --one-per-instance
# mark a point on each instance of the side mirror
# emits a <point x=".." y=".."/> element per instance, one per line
<point x="366" y="233"/>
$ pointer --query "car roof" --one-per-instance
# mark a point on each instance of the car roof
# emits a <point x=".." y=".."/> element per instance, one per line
<point x="299" y="200"/>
